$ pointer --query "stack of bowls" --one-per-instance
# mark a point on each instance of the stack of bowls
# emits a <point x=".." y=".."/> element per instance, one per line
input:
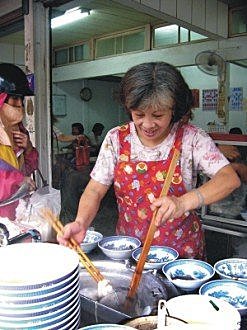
<point x="39" y="287"/>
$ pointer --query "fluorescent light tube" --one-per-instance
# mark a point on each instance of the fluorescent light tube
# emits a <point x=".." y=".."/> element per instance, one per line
<point x="69" y="16"/>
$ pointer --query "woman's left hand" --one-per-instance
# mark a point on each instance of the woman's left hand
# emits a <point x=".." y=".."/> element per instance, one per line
<point x="168" y="207"/>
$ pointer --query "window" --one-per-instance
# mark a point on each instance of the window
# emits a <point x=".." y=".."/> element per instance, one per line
<point x="61" y="57"/>
<point x="165" y="35"/>
<point x="130" y="41"/>
<point x="238" y="21"/>
<point x="172" y="35"/>
<point x="71" y="54"/>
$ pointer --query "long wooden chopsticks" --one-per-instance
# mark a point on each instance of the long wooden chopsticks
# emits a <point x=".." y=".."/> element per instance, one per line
<point x="58" y="227"/>
<point x="151" y="231"/>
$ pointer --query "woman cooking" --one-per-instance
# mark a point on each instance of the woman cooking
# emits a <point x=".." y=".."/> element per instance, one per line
<point x="136" y="158"/>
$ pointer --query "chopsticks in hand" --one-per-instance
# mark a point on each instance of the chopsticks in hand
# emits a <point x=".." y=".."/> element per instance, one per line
<point x="58" y="227"/>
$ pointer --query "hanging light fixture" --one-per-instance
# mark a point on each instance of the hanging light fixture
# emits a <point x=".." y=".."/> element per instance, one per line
<point x="69" y="16"/>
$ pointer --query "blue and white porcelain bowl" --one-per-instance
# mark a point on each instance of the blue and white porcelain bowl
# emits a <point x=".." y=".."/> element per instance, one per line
<point x="119" y="247"/>
<point x="233" y="292"/>
<point x="91" y="240"/>
<point x="188" y="274"/>
<point x="232" y="269"/>
<point x="157" y="256"/>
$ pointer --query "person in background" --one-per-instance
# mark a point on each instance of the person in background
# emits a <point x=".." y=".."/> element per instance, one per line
<point x="96" y="139"/>
<point x="18" y="157"/>
<point x="79" y="138"/>
<point x="237" y="155"/>
<point x="58" y="135"/>
<point x="136" y="157"/>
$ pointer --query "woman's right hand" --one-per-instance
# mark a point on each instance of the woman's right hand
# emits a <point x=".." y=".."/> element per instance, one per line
<point x="72" y="230"/>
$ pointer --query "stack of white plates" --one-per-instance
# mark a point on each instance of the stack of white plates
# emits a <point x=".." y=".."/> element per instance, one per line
<point x="39" y="287"/>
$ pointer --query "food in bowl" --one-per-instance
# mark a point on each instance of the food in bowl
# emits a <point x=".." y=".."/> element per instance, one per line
<point x="232" y="269"/>
<point x="157" y="256"/>
<point x="234" y="292"/>
<point x="188" y="274"/>
<point x="119" y="247"/>
<point x="91" y="240"/>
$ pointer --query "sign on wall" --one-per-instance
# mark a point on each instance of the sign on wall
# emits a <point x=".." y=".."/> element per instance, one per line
<point x="236" y="99"/>
<point x="209" y="99"/>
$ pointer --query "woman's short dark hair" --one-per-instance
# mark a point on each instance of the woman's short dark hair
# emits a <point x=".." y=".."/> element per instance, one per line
<point x="79" y="126"/>
<point x="150" y="84"/>
<point x="98" y="127"/>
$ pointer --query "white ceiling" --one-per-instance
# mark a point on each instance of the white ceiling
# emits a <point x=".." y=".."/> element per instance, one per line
<point x="106" y="17"/>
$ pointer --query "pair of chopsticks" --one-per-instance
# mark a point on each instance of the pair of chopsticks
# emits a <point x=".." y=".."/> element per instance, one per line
<point x="151" y="231"/>
<point x="58" y="227"/>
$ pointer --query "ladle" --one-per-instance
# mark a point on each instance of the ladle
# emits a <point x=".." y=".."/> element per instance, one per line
<point x="151" y="231"/>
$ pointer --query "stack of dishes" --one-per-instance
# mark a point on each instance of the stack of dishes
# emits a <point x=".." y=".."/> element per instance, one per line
<point x="39" y="287"/>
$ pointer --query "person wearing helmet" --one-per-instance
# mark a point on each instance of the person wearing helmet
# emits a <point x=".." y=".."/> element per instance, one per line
<point x="18" y="157"/>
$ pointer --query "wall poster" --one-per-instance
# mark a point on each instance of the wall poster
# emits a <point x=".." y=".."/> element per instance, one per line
<point x="236" y="99"/>
<point x="209" y="99"/>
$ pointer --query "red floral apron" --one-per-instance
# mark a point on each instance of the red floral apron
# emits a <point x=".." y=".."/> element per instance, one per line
<point x="136" y="183"/>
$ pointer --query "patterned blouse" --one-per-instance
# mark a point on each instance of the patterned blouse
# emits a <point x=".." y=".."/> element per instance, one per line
<point x="199" y="154"/>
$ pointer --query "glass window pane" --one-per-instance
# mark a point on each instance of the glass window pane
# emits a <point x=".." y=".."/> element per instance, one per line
<point x="105" y="47"/>
<point x="239" y="21"/>
<point x="71" y="54"/>
<point x="119" y="45"/>
<point x="196" y="36"/>
<point x="61" y="57"/>
<point x="86" y="51"/>
<point x="184" y="35"/>
<point x="79" y="53"/>
<point x="133" y="42"/>
<point x="166" y="35"/>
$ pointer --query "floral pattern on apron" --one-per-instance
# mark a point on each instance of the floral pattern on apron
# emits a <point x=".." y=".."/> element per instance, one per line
<point x="136" y="183"/>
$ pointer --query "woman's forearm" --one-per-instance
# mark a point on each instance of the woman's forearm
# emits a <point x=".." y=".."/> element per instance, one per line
<point x="90" y="202"/>
<point x="217" y="188"/>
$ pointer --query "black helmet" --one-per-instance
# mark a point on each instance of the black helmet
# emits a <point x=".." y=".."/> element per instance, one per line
<point x="13" y="80"/>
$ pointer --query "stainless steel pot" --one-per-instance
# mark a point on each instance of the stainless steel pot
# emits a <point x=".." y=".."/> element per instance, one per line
<point x="152" y="288"/>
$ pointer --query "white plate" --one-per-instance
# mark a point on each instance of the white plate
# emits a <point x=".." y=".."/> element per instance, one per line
<point x="45" y="324"/>
<point x="39" y="292"/>
<point x="41" y="315"/>
<point x="39" y="298"/>
<point x="37" y="264"/>
<point x="35" y="304"/>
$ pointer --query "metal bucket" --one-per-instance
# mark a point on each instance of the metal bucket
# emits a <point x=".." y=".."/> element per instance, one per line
<point x="151" y="289"/>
